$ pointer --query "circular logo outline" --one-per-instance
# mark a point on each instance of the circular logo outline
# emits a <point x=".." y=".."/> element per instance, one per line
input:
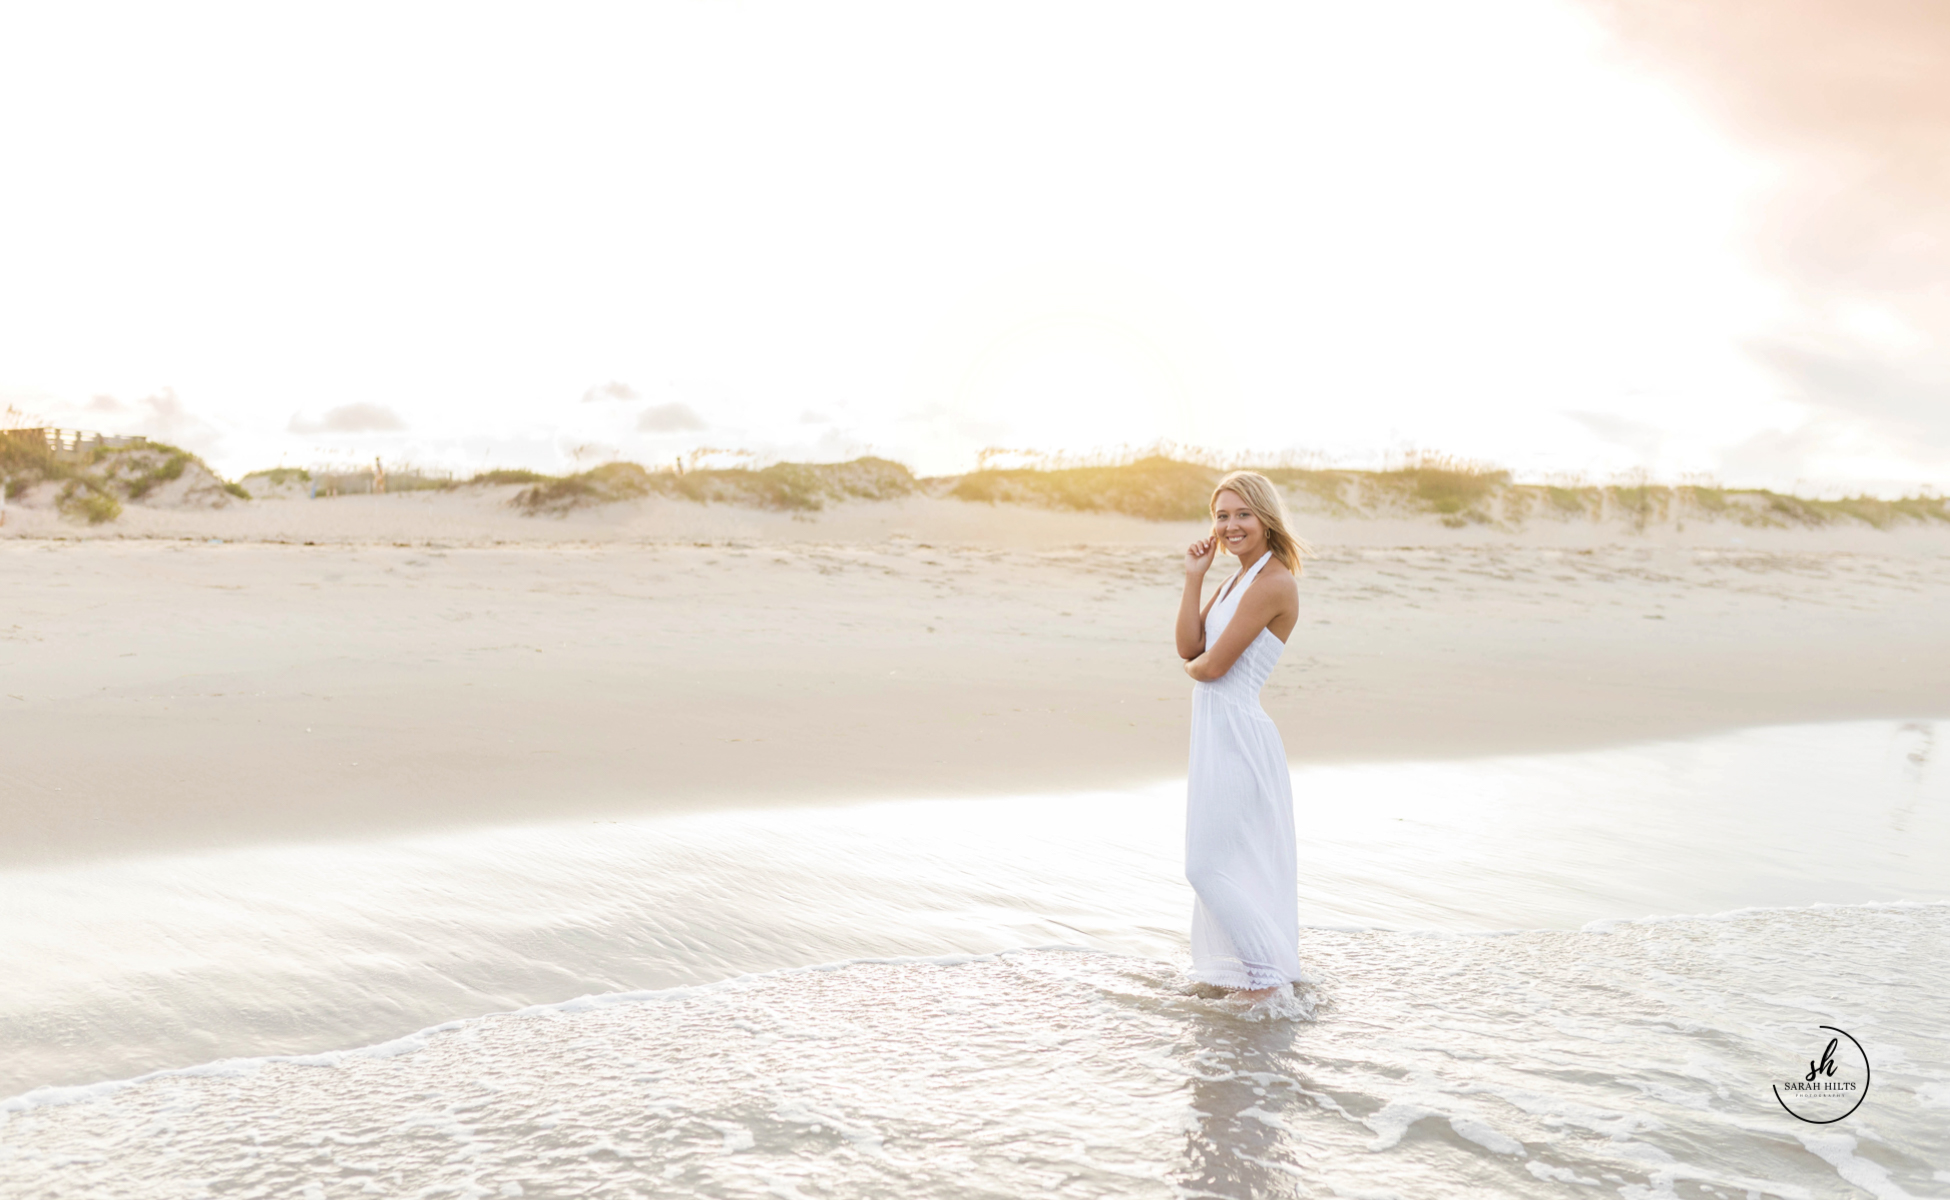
<point x="1867" y="1074"/>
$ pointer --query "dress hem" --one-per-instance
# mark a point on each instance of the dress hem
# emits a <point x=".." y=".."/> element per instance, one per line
<point x="1250" y="979"/>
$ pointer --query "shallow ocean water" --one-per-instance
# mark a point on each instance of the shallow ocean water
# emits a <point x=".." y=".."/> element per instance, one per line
<point x="1534" y="976"/>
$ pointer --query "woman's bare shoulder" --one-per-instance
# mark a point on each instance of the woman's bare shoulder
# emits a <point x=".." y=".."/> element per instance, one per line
<point x="1280" y="581"/>
<point x="1275" y="585"/>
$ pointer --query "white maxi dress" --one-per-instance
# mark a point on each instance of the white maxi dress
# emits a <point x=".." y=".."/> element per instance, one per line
<point x="1239" y="837"/>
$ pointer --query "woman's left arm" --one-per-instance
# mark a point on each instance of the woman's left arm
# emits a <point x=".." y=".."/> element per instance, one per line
<point x="1265" y="600"/>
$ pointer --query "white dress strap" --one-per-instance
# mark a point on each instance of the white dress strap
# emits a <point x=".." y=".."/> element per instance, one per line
<point x="1242" y="579"/>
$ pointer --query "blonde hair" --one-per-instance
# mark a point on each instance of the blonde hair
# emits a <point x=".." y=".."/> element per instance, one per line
<point x="1264" y="499"/>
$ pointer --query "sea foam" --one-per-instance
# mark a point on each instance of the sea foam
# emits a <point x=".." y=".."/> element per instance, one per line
<point x="1641" y="1058"/>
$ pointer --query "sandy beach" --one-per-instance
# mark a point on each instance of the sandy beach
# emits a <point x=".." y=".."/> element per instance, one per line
<point x="194" y="678"/>
<point x="677" y="841"/>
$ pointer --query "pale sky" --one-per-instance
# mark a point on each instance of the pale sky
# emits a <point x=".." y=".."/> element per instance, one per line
<point x="1525" y="231"/>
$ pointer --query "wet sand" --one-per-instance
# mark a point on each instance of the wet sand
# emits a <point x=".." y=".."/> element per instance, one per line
<point x="167" y="693"/>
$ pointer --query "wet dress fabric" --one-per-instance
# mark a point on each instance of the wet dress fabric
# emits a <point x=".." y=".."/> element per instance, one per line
<point x="1239" y="836"/>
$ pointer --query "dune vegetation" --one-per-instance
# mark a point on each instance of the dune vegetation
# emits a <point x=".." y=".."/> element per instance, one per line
<point x="1155" y="488"/>
<point x="93" y="485"/>
<point x="28" y="462"/>
<point x="800" y="487"/>
<point x="280" y="476"/>
<point x="1456" y="492"/>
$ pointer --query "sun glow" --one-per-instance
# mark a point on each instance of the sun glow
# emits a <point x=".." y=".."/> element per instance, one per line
<point x="1345" y="228"/>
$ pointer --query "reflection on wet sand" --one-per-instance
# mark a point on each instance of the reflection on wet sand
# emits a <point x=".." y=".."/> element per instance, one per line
<point x="1238" y="1141"/>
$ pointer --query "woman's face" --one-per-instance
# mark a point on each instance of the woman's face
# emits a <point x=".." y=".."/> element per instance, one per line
<point x="1237" y="527"/>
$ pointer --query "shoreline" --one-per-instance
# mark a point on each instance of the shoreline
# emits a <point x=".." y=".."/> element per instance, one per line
<point x="277" y="949"/>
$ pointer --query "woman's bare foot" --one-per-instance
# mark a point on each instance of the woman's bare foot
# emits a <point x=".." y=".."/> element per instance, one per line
<point x="1255" y="995"/>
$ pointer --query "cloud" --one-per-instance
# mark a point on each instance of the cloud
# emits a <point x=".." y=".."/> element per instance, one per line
<point x="1854" y="93"/>
<point x="164" y="406"/>
<point x="165" y="418"/>
<point x="1774" y="457"/>
<point x="1850" y="100"/>
<point x="1901" y="397"/>
<point x="809" y="417"/>
<point x="585" y="454"/>
<point x="668" y="418"/>
<point x="168" y="415"/>
<point x="615" y="389"/>
<point x="351" y="418"/>
<point x="1636" y="436"/>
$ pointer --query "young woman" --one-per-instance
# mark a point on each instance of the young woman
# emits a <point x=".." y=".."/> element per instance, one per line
<point x="1239" y="838"/>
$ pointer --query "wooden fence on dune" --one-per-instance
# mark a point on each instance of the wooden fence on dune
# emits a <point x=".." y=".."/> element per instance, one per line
<point x="73" y="445"/>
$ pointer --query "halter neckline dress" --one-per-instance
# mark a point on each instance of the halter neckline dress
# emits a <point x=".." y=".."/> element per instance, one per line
<point x="1240" y="855"/>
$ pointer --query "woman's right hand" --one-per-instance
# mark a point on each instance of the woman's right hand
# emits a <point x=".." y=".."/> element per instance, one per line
<point x="1198" y="556"/>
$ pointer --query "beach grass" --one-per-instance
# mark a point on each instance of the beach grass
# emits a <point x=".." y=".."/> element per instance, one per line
<point x="150" y="470"/>
<point x="84" y="500"/>
<point x="96" y="484"/>
<point x="1154" y="488"/>
<point x="28" y="461"/>
<point x="1458" y="492"/>
<point x="1154" y="484"/>
<point x="789" y="487"/>
<point x="1161" y="488"/>
<point x="503" y="476"/>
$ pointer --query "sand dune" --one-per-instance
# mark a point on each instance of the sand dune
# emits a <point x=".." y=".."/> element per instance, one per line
<point x="477" y="516"/>
<point x="436" y="659"/>
<point x="158" y="491"/>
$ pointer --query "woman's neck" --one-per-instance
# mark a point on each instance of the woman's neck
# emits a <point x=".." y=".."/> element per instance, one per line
<point x="1247" y="560"/>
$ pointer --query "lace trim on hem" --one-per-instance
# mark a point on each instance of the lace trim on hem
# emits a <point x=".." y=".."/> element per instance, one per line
<point x="1243" y="976"/>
